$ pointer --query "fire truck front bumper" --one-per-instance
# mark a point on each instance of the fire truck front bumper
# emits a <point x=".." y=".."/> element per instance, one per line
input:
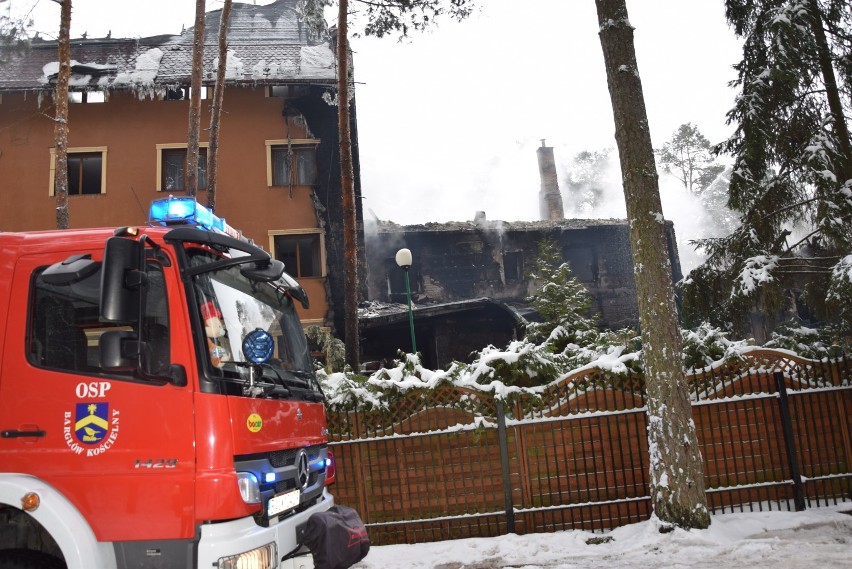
<point x="242" y="543"/>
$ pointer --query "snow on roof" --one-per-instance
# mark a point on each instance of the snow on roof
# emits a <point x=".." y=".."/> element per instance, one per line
<point x="383" y="226"/>
<point x="267" y="44"/>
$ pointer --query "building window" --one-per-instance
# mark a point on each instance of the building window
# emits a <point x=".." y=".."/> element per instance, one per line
<point x="301" y="251"/>
<point x="86" y="171"/>
<point x="171" y="167"/>
<point x="287" y="91"/>
<point x="295" y="165"/>
<point x="292" y="164"/>
<point x="86" y="97"/>
<point x="513" y="265"/>
<point x="183" y="93"/>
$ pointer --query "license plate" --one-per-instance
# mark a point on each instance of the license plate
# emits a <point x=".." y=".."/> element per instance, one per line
<point x="283" y="502"/>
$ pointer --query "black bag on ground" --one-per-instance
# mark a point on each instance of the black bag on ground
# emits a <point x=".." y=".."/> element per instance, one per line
<point x="337" y="538"/>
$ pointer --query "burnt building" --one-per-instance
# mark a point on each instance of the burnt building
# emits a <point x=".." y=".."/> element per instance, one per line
<point x="469" y="280"/>
<point x="466" y="266"/>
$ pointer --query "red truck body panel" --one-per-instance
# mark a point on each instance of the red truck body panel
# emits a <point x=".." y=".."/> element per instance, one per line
<point x="163" y="462"/>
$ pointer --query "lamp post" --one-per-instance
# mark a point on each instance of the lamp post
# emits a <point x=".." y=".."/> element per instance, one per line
<point x="403" y="259"/>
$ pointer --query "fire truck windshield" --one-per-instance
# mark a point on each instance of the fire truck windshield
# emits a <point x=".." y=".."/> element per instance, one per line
<point x="230" y="306"/>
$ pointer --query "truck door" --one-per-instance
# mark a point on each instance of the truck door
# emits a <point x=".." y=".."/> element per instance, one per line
<point x="118" y="445"/>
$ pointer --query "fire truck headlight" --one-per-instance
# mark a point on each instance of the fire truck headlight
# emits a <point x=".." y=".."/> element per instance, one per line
<point x="249" y="487"/>
<point x="258" y="558"/>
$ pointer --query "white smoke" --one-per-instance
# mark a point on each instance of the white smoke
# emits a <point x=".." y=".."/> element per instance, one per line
<point x="694" y="216"/>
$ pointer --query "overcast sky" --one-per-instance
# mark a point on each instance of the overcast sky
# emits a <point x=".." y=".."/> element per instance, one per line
<point x="448" y="122"/>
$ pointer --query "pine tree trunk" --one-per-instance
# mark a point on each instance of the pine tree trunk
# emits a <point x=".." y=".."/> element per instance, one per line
<point x="350" y="249"/>
<point x="60" y="125"/>
<point x="832" y="93"/>
<point x="216" y="110"/>
<point x="677" y="478"/>
<point x="195" y="101"/>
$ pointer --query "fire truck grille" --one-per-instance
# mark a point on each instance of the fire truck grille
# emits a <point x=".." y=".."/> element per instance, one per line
<point x="281" y="458"/>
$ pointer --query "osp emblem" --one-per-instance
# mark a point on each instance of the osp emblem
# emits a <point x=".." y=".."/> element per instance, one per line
<point x="95" y="425"/>
<point x="91" y="422"/>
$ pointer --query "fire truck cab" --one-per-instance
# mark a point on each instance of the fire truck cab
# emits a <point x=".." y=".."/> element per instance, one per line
<point x="158" y="403"/>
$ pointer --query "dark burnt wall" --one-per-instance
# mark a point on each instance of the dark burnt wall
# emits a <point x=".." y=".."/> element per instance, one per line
<point x="322" y="122"/>
<point x="441" y="339"/>
<point x="462" y="261"/>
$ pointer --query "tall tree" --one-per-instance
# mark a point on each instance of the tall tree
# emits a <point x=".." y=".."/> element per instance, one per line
<point x="688" y="157"/>
<point x="382" y="18"/>
<point x="792" y="171"/>
<point x="677" y="477"/>
<point x="195" y="101"/>
<point x="60" y="121"/>
<point x="347" y="185"/>
<point x="216" y="110"/>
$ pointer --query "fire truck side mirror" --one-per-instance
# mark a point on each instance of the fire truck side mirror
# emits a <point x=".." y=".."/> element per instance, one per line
<point x="121" y="280"/>
<point x="265" y="272"/>
<point x="118" y="350"/>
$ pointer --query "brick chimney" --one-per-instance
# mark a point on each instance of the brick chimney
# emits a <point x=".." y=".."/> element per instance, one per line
<point x="549" y="198"/>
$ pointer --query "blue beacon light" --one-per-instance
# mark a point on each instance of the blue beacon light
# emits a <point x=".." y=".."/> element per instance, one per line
<point x="187" y="211"/>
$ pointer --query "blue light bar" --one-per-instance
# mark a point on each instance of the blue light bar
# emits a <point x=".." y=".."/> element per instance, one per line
<point x="187" y="211"/>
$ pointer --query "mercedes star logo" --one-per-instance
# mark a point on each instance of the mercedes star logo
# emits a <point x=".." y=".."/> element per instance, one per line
<point x="302" y="472"/>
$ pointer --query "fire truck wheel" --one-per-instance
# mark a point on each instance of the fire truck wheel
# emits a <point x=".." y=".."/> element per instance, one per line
<point x="26" y="559"/>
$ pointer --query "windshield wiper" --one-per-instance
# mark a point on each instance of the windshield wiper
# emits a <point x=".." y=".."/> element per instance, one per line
<point x="311" y="383"/>
<point x="300" y="380"/>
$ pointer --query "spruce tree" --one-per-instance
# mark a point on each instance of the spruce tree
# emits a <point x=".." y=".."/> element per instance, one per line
<point x="563" y="302"/>
<point x="792" y="176"/>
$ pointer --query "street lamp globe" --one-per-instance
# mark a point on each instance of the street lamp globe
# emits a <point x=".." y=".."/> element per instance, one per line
<point x="403" y="258"/>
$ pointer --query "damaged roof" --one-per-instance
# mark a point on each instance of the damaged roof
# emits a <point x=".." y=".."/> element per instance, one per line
<point x="388" y="227"/>
<point x="374" y="314"/>
<point x="266" y="44"/>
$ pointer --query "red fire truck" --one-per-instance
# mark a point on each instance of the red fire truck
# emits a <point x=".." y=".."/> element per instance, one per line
<point x="158" y="405"/>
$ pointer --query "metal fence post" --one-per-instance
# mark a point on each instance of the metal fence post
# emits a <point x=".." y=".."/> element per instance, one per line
<point x="792" y="456"/>
<point x="504" y="463"/>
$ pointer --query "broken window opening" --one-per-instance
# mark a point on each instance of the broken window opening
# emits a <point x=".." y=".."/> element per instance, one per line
<point x="287" y="91"/>
<point x="184" y="93"/>
<point x="82" y="97"/>
<point x="395" y="278"/>
<point x="513" y="266"/>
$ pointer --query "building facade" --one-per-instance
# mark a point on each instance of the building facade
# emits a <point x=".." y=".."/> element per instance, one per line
<point x="278" y="161"/>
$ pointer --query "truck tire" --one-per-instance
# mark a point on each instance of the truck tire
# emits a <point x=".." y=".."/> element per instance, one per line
<point x="27" y="559"/>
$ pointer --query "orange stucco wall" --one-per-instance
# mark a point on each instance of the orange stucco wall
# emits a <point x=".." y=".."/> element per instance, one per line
<point x="130" y="129"/>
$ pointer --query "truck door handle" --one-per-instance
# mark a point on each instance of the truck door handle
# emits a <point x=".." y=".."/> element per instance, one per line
<point x="15" y="434"/>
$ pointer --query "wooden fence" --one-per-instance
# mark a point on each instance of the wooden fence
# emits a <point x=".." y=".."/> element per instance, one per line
<point x="450" y="463"/>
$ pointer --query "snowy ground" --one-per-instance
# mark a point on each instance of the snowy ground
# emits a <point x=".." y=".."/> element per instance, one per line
<point x="816" y="538"/>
